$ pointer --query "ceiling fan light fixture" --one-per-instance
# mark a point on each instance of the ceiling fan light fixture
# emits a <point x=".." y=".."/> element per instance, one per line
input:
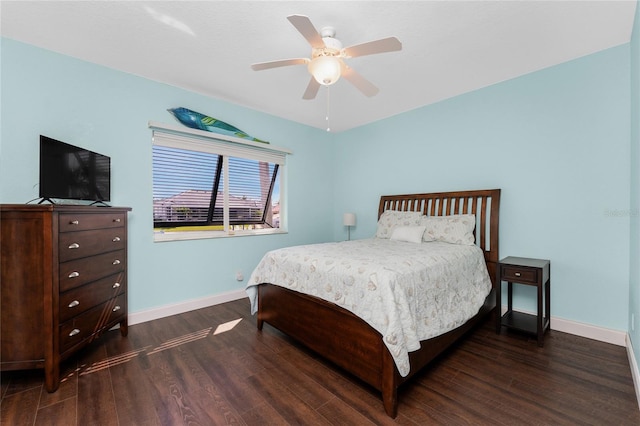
<point x="325" y="69"/>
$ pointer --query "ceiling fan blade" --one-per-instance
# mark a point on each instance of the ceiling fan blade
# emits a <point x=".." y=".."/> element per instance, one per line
<point x="361" y="83"/>
<point x="305" y="27"/>
<point x="312" y="89"/>
<point x="389" y="44"/>
<point x="281" y="63"/>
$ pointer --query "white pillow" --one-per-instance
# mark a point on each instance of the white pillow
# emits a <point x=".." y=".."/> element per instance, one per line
<point x="455" y="229"/>
<point x="391" y="219"/>
<point x="410" y="234"/>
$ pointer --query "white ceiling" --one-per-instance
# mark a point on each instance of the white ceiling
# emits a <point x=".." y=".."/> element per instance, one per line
<point x="449" y="47"/>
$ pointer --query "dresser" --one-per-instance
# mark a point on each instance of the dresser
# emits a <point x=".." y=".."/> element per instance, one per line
<point x="63" y="282"/>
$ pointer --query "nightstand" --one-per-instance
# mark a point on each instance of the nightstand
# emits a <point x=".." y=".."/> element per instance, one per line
<point x="526" y="271"/>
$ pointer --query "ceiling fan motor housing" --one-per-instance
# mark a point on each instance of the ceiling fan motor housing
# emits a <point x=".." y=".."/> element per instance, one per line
<point x="332" y="46"/>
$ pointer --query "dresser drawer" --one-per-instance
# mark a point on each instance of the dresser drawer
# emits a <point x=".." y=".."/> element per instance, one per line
<point x="68" y="222"/>
<point x="80" y="299"/>
<point x="74" y="245"/>
<point x="84" y="325"/>
<point x="82" y="271"/>
<point x="519" y="274"/>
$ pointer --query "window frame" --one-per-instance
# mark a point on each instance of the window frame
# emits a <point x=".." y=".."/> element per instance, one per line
<point x="223" y="146"/>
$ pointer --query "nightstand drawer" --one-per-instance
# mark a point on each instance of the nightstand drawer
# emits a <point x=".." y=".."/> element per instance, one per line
<point x="522" y="275"/>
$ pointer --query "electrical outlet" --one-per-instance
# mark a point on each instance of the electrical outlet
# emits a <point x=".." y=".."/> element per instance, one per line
<point x="239" y="276"/>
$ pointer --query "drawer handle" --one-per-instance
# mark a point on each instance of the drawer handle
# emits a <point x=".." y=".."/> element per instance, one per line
<point x="74" y="246"/>
<point x="74" y="304"/>
<point x="117" y="220"/>
<point x="116" y="262"/>
<point x="517" y="274"/>
<point x="117" y="308"/>
<point x="74" y="332"/>
<point x="116" y="285"/>
<point x="116" y="239"/>
<point x="74" y="222"/>
<point x="74" y="274"/>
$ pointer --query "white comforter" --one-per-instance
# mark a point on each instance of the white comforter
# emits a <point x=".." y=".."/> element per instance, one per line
<point x="407" y="292"/>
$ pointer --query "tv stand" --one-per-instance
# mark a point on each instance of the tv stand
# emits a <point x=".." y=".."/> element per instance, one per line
<point x="43" y="199"/>
<point x="99" y="204"/>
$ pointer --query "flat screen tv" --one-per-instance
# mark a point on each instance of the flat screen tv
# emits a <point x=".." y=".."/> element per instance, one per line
<point x="73" y="173"/>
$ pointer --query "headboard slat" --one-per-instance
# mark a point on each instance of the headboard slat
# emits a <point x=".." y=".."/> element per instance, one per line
<point x="448" y="203"/>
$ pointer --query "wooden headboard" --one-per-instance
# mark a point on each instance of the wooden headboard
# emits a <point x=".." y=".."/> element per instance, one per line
<point x="485" y="204"/>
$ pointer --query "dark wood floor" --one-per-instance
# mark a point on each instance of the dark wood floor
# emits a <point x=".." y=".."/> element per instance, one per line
<point x="180" y="370"/>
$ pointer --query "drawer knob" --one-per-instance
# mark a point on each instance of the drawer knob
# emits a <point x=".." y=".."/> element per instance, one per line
<point x="74" y="246"/>
<point x="74" y="274"/>
<point x="74" y="304"/>
<point x="117" y="308"/>
<point x="116" y="285"/>
<point x="74" y="332"/>
<point x="74" y="222"/>
<point x="517" y="274"/>
<point x="116" y="239"/>
<point x="116" y="262"/>
<point x="117" y="220"/>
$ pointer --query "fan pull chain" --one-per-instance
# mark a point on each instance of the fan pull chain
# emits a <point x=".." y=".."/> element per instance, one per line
<point x="327" y="116"/>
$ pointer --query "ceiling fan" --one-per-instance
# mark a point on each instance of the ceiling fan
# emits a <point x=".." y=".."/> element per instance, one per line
<point x="326" y="64"/>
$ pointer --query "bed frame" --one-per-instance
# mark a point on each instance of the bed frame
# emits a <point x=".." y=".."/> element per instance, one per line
<point x="345" y="339"/>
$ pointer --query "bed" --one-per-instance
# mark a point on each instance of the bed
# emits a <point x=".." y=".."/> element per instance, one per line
<point x="346" y="334"/>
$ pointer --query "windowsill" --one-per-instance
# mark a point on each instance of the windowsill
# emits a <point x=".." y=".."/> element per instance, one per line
<point x="161" y="236"/>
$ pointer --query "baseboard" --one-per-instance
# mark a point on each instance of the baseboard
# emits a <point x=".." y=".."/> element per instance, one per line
<point x="607" y="335"/>
<point x="635" y="373"/>
<point x="601" y="334"/>
<point x="189" y="305"/>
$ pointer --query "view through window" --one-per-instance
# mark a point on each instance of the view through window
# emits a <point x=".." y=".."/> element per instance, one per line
<point x="202" y="185"/>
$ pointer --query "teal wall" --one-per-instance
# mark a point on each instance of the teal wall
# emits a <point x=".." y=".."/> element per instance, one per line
<point x="555" y="141"/>
<point x="634" y="206"/>
<point x="108" y="112"/>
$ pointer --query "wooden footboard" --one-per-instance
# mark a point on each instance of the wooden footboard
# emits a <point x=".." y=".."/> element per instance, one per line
<point x="348" y="341"/>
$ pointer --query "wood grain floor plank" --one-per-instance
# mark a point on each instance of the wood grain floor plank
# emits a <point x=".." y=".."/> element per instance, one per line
<point x="264" y="414"/>
<point x="357" y="394"/>
<point x="95" y="394"/>
<point x="289" y="406"/>
<point x="20" y="408"/>
<point x="132" y="388"/>
<point x="237" y="390"/>
<point x="481" y="407"/>
<point x="60" y="413"/>
<point x="507" y="402"/>
<point x="21" y="380"/>
<point x="207" y="398"/>
<point x="338" y="412"/>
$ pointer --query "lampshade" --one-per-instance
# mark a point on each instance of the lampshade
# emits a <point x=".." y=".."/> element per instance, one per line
<point x="349" y="219"/>
<point x="325" y="69"/>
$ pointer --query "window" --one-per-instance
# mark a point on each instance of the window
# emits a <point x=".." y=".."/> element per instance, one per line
<point x="208" y="185"/>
